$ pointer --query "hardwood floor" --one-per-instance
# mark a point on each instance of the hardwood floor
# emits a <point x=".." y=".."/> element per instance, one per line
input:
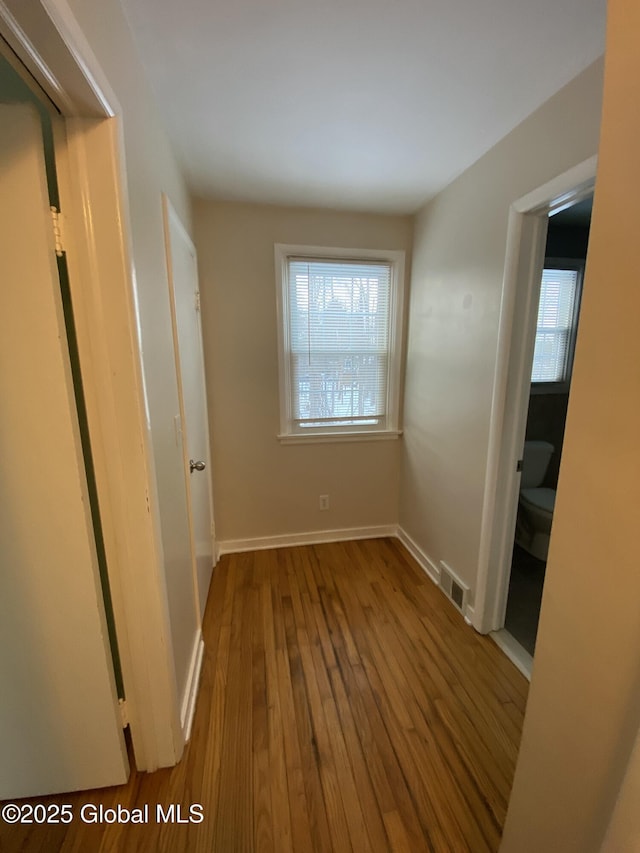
<point x="344" y="705"/>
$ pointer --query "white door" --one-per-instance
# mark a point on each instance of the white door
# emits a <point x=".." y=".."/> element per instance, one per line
<point x="59" y="722"/>
<point x="185" y="298"/>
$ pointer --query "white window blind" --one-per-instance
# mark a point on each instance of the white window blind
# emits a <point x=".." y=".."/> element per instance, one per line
<point x="554" y="332"/>
<point x="339" y="336"/>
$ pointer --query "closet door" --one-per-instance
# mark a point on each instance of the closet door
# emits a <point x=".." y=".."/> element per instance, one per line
<point x="60" y="728"/>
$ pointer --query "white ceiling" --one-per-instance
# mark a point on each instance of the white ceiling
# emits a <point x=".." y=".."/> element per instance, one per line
<point x="362" y="104"/>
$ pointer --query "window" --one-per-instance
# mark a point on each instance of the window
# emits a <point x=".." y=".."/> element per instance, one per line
<point x="340" y="320"/>
<point x="557" y="318"/>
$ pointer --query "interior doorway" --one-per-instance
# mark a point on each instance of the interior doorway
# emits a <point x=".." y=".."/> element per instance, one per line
<point x="556" y="328"/>
<point x="524" y="263"/>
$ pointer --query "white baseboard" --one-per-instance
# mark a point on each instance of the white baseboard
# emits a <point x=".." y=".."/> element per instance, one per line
<point x="427" y="565"/>
<point x="191" y="689"/>
<point x="518" y="656"/>
<point x="317" y="537"/>
<point x="314" y="537"/>
<point x="430" y="568"/>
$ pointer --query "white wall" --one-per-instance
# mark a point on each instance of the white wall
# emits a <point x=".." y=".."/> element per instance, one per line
<point x="458" y="264"/>
<point x="263" y="488"/>
<point x="584" y="703"/>
<point x="151" y="169"/>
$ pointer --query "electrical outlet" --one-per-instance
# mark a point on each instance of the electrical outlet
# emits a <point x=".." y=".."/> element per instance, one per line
<point x="324" y="502"/>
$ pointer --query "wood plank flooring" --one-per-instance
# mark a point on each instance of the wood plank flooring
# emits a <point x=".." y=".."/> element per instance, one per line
<point x="344" y="706"/>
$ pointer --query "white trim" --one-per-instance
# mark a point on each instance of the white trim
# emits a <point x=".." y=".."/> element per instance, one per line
<point x="14" y="34"/>
<point x="396" y="260"/>
<point x="314" y="537"/>
<point x="432" y="571"/>
<point x="319" y="537"/>
<point x="335" y="437"/>
<point x="560" y="192"/>
<point x="188" y="707"/>
<point x="47" y="38"/>
<point x="90" y="158"/>
<point x="99" y="276"/>
<point x="516" y="337"/>
<point x="426" y="563"/>
<point x="518" y="655"/>
<point x="525" y="250"/>
<point x="13" y="45"/>
<point x="84" y="58"/>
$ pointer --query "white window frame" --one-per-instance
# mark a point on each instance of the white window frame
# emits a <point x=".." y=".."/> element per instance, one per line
<point x="561" y="386"/>
<point x="289" y="432"/>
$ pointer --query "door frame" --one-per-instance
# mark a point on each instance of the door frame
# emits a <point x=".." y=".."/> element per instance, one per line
<point x="526" y="238"/>
<point x="47" y="39"/>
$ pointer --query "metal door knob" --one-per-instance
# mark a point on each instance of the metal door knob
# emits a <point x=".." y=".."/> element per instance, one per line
<point x="196" y="466"/>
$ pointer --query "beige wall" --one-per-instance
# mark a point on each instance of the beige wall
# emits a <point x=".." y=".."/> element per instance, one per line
<point x="584" y="705"/>
<point x="458" y="265"/>
<point x="151" y="169"/>
<point x="623" y="833"/>
<point x="263" y="488"/>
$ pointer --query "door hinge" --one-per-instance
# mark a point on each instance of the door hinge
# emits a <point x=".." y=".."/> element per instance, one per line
<point x="124" y="717"/>
<point x="56" y="219"/>
<point x="197" y="300"/>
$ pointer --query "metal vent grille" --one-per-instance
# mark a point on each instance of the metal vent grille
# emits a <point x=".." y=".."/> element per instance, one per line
<point x="453" y="587"/>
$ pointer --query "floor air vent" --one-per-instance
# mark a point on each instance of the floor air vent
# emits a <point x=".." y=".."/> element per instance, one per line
<point x="453" y="587"/>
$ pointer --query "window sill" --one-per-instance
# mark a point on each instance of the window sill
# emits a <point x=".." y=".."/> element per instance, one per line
<point x="336" y="437"/>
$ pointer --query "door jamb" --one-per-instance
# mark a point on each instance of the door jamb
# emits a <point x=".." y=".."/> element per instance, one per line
<point x="48" y="40"/>
<point x="526" y="236"/>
